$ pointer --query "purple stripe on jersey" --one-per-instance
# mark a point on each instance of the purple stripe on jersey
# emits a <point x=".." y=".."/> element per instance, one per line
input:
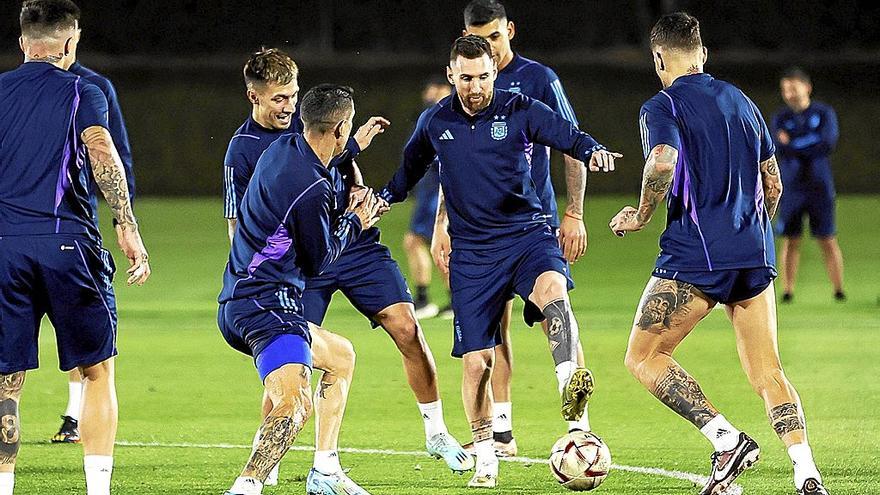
<point x="690" y="204"/>
<point x="63" y="182"/>
<point x="277" y="245"/>
<point x="279" y="242"/>
<point x="528" y="148"/>
<point x="681" y="187"/>
<point x="759" y="210"/>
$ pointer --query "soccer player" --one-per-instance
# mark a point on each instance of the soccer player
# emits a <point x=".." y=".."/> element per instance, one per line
<point x="417" y="241"/>
<point x="806" y="133"/>
<point x="69" y="431"/>
<point x="52" y="261"/>
<point x="272" y="88"/>
<point x="707" y="147"/>
<point x="501" y="243"/>
<point x="365" y="272"/>
<point x="488" y="19"/>
<point x="286" y="234"/>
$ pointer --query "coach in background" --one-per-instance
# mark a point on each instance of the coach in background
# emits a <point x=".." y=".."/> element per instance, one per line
<point x="806" y="133"/>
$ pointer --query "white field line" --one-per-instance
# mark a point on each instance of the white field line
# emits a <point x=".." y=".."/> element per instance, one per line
<point x="679" y="475"/>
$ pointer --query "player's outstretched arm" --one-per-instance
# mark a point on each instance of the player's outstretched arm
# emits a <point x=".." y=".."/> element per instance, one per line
<point x="656" y="180"/>
<point x="772" y="182"/>
<point x="372" y="128"/>
<point x="110" y="178"/>
<point x="441" y="244"/>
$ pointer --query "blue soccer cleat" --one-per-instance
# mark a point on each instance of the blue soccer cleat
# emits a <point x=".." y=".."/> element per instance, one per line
<point x="444" y="446"/>
<point x="319" y="483"/>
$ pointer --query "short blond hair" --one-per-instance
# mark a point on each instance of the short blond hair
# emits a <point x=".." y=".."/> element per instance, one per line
<point x="270" y="65"/>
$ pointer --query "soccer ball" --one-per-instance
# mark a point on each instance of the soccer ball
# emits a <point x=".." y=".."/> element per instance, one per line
<point x="580" y="461"/>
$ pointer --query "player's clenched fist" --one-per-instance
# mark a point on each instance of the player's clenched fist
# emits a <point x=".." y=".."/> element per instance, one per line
<point x="626" y="221"/>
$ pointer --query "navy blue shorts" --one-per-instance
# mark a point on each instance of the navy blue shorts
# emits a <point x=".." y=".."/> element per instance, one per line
<point x="67" y="277"/>
<point x="819" y="207"/>
<point x="252" y="326"/>
<point x="424" y="212"/>
<point x="482" y="281"/>
<point x="367" y="276"/>
<point x="724" y="286"/>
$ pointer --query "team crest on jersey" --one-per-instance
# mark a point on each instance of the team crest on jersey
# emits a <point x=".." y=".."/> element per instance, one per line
<point x="499" y="130"/>
<point x="514" y="87"/>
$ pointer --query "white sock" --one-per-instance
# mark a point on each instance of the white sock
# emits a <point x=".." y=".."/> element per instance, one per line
<point x="98" y="470"/>
<point x="721" y="433"/>
<point x="74" y="399"/>
<point x="804" y="466"/>
<point x="502" y="420"/>
<point x="272" y="478"/>
<point x="7" y="482"/>
<point x="327" y="461"/>
<point x="245" y="485"/>
<point x="432" y="414"/>
<point x="564" y="370"/>
<point x="582" y="424"/>
<point x="485" y="451"/>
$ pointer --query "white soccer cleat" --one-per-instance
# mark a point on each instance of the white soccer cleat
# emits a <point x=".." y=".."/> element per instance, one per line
<point x="319" y="483"/>
<point x="486" y="475"/>
<point x="444" y="446"/>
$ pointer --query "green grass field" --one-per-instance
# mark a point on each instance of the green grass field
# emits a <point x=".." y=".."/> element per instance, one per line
<point x="182" y="388"/>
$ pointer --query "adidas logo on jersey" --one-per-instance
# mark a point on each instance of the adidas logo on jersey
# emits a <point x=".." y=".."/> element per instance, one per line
<point x="446" y="136"/>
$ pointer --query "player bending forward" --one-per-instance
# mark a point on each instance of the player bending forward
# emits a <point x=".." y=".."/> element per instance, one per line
<point x="501" y="243"/>
<point x="708" y="147"/>
<point x="284" y="235"/>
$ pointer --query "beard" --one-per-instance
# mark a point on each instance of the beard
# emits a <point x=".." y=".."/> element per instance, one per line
<point x="477" y="105"/>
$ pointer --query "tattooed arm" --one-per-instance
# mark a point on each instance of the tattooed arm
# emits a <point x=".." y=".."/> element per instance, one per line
<point x="110" y="178"/>
<point x="656" y="180"/>
<point x="572" y="231"/>
<point x="772" y="181"/>
<point x="441" y="244"/>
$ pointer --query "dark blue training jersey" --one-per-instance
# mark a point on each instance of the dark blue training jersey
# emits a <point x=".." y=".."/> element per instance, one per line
<point x="715" y="209"/>
<point x="43" y="183"/>
<point x="245" y="148"/>
<point x="484" y="164"/>
<point x="804" y="161"/>
<point x="117" y="126"/>
<point x="285" y="230"/>
<point x="538" y="81"/>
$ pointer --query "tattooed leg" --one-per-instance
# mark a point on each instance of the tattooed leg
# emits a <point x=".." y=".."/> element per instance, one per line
<point x="754" y="323"/>
<point x="667" y="313"/>
<point x="290" y="391"/>
<point x="681" y="393"/>
<point x="476" y="391"/>
<point x="334" y="355"/>
<point x="10" y="432"/>
<point x="786" y="419"/>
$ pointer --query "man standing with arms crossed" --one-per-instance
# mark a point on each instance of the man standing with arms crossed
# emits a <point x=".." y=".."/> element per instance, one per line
<point x="806" y="132"/>
<point x="51" y="259"/>
<point x="707" y="146"/>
